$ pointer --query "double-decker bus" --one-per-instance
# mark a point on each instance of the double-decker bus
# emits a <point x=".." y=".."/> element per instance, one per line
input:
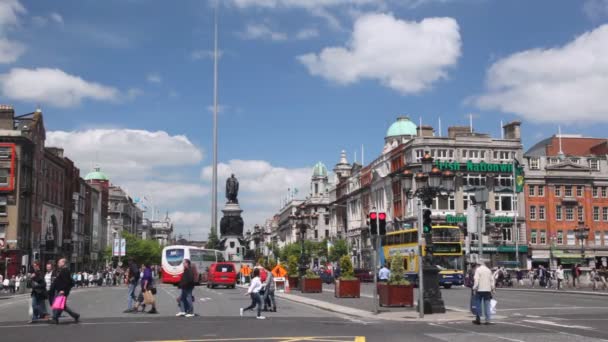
<point x="447" y="253"/>
<point x="173" y="262"/>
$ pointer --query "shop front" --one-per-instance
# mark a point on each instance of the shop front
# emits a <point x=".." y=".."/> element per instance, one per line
<point x="503" y="255"/>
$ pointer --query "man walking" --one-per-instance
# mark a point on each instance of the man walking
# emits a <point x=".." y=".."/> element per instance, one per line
<point x="559" y="274"/>
<point x="269" y="287"/>
<point x="39" y="294"/>
<point x="384" y="274"/>
<point x="61" y="287"/>
<point x="133" y="279"/>
<point x="186" y="284"/>
<point x="483" y="287"/>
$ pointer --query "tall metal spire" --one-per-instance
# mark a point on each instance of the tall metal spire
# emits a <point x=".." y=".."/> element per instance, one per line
<point x="214" y="185"/>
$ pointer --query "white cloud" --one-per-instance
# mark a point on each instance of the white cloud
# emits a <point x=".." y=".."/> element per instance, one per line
<point x="56" y="17"/>
<point x="193" y="223"/>
<point x="154" y="78"/>
<point x="304" y="4"/>
<point x="307" y="34"/>
<point x="9" y="13"/>
<point x="53" y="87"/>
<point x="403" y="55"/>
<point x="126" y="153"/>
<point x="262" y="31"/>
<point x="10" y="51"/>
<point x="165" y="193"/>
<point x="566" y="83"/>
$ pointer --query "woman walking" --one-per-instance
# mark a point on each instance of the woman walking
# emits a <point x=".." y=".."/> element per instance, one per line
<point x="61" y="287"/>
<point x="254" y="293"/>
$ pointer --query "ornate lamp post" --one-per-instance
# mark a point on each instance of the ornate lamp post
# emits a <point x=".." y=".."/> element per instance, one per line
<point x="299" y="221"/>
<point x="496" y="236"/>
<point x="582" y="233"/>
<point x="430" y="182"/>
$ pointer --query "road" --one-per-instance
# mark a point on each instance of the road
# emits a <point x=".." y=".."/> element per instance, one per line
<point x="531" y="317"/>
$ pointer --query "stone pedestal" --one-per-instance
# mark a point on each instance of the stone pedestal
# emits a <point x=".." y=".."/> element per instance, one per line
<point x="231" y="230"/>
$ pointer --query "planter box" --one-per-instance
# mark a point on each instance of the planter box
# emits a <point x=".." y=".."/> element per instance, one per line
<point x="347" y="288"/>
<point x="311" y="285"/>
<point x="293" y="282"/>
<point x="396" y="295"/>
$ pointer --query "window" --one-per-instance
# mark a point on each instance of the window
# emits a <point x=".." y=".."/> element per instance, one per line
<point x="533" y="237"/>
<point x="598" y="238"/>
<point x="579" y="191"/>
<point x="581" y="213"/>
<point x="466" y="199"/>
<point x="316" y="234"/>
<point x="502" y="155"/>
<point x="569" y="214"/>
<point x="326" y="233"/>
<point x="571" y="238"/>
<point x="596" y="213"/>
<point x="541" y="190"/>
<point x="543" y="237"/>
<point x="534" y="163"/>
<point x="541" y="213"/>
<point x="560" y="237"/>
<point x="595" y="192"/>
<point x="606" y="238"/>
<point x="3" y="206"/>
<point x="419" y="154"/>
<point x="575" y="160"/>
<point x="4" y="177"/>
<point x="604" y="189"/>
<point x="503" y="202"/>
<point x="594" y="164"/>
<point x="605" y="214"/>
<point x="568" y="191"/>
<point x="558" y="212"/>
<point x="553" y="161"/>
<point x="558" y="191"/>
<point x="506" y="181"/>
<point x="507" y="234"/>
<point x="316" y="189"/>
<point x="532" y="213"/>
<point x="443" y="203"/>
<point x="474" y="180"/>
<point x="531" y="191"/>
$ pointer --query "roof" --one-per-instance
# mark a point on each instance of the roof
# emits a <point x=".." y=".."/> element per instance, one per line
<point x="570" y="145"/>
<point x="96" y="175"/>
<point x="319" y="170"/>
<point x="403" y="126"/>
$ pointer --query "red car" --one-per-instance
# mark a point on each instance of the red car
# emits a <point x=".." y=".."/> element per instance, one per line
<point x="222" y="273"/>
<point x="364" y="275"/>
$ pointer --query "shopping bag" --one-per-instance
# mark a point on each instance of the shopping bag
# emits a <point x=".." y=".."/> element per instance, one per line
<point x="148" y="298"/>
<point x="59" y="303"/>
<point x="493" y="303"/>
<point x="30" y="310"/>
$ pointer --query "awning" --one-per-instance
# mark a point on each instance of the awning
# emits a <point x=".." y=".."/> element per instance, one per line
<point x="541" y="254"/>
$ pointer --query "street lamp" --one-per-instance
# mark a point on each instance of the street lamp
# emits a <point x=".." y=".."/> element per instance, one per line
<point x="299" y="220"/>
<point x="582" y="233"/>
<point x="430" y="182"/>
<point x="496" y="236"/>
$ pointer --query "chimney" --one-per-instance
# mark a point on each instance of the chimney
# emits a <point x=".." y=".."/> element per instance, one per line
<point x="7" y="116"/>
<point x="455" y="131"/>
<point x="425" y="131"/>
<point x="512" y="130"/>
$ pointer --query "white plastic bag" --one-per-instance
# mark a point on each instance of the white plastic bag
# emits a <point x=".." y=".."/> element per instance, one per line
<point x="30" y="309"/>
<point x="493" y="303"/>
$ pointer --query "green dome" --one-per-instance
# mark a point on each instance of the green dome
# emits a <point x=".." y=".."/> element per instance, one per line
<point x="96" y="175"/>
<point x="320" y="170"/>
<point x="403" y="126"/>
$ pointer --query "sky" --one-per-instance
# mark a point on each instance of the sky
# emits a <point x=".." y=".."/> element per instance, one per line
<point x="128" y="84"/>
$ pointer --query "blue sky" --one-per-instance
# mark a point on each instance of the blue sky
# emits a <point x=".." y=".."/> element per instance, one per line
<point x="128" y="83"/>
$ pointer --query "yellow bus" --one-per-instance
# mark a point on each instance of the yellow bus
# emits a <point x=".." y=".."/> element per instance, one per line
<point x="447" y="254"/>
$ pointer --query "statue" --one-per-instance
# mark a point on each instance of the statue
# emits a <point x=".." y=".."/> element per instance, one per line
<point x="232" y="189"/>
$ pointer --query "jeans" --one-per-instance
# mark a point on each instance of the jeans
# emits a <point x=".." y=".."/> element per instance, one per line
<point x="57" y="313"/>
<point x="131" y="296"/>
<point x="185" y="300"/>
<point x="255" y="299"/>
<point x="269" y="299"/>
<point x="38" y="307"/>
<point x="485" y="297"/>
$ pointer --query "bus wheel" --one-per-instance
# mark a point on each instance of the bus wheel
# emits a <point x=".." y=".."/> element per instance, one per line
<point x="447" y="286"/>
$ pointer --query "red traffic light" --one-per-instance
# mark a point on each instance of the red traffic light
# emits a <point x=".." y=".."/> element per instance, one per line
<point x="382" y="216"/>
<point x="373" y="215"/>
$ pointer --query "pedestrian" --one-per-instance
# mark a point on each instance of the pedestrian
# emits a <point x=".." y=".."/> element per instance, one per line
<point x="254" y="293"/>
<point x="147" y="286"/>
<point x="520" y="277"/>
<point x="595" y="278"/>
<point x="269" y="288"/>
<point x="39" y="294"/>
<point x="559" y="274"/>
<point x="61" y="287"/>
<point x="574" y="274"/>
<point x="6" y="285"/>
<point x="484" y="287"/>
<point x="384" y="274"/>
<point x="12" y="283"/>
<point x="133" y="280"/>
<point x="469" y="282"/>
<point x="186" y="284"/>
<point x="603" y="273"/>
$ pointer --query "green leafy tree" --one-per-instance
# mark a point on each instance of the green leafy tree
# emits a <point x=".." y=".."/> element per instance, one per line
<point x="142" y="251"/>
<point x="270" y="264"/>
<point x="213" y="241"/>
<point x="339" y="250"/>
<point x="311" y="275"/>
<point x="292" y="266"/>
<point x="397" y="276"/>
<point x="346" y="268"/>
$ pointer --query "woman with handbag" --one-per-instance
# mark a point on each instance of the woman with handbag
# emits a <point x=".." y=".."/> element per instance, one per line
<point x="61" y="289"/>
<point x="147" y="286"/>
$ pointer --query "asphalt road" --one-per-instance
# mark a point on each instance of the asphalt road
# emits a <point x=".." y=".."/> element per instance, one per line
<point x="103" y="320"/>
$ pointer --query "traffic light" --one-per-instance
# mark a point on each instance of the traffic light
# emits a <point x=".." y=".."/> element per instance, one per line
<point x="489" y="226"/>
<point x="373" y="225"/>
<point x="382" y="221"/>
<point x="427" y="222"/>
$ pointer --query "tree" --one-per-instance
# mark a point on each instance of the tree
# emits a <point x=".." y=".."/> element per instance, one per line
<point x="292" y="266"/>
<point x="397" y="271"/>
<point x="142" y="251"/>
<point x="339" y="250"/>
<point x="346" y="268"/>
<point x="213" y="241"/>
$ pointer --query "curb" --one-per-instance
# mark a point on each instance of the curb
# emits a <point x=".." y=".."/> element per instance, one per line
<point x="582" y="293"/>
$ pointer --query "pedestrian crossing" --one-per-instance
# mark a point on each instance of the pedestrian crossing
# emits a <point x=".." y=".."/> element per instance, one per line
<point x="514" y="337"/>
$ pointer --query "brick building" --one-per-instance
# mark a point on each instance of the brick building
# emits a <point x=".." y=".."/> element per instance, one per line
<point x="567" y="187"/>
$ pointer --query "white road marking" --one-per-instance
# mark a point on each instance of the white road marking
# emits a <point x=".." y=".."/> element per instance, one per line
<point x="477" y="333"/>
<point x="558" y="307"/>
<point x="204" y="299"/>
<point x="555" y="324"/>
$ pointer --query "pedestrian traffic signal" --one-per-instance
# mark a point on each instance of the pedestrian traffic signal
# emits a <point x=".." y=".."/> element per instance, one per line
<point x="373" y="224"/>
<point x="382" y="221"/>
<point x="427" y="222"/>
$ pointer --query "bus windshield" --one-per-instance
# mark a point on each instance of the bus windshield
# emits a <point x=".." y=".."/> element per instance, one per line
<point x="448" y="262"/>
<point x="441" y="234"/>
<point x="174" y="256"/>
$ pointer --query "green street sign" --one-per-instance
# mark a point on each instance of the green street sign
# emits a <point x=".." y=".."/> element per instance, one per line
<point x="452" y="219"/>
<point x="501" y="219"/>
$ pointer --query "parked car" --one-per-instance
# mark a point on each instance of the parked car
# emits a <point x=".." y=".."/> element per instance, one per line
<point x="222" y="273"/>
<point x="364" y="275"/>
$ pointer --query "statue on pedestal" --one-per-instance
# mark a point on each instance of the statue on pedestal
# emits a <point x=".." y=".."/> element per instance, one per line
<point x="232" y="189"/>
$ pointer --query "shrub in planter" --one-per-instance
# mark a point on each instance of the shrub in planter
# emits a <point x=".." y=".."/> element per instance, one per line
<point x="311" y="283"/>
<point x="347" y="286"/>
<point x="292" y="271"/>
<point x="397" y="291"/>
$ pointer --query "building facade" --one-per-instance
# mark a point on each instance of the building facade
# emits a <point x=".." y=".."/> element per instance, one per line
<point x="567" y="188"/>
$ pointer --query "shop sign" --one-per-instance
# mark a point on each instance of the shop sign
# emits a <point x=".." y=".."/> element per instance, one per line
<point x="501" y="249"/>
<point x="451" y="219"/>
<point x="470" y="166"/>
